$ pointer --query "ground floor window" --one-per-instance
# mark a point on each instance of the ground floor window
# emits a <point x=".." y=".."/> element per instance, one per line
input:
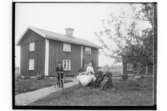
<point x="129" y="67"/>
<point x="31" y="64"/>
<point x="66" y="64"/>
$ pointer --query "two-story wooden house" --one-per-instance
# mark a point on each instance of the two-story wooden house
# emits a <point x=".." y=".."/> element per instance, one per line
<point x="42" y="50"/>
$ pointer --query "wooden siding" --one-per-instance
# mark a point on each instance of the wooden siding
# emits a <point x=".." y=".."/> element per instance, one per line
<point x="76" y="58"/>
<point x="38" y="54"/>
<point x="95" y="59"/>
<point x="91" y="58"/>
<point x="57" y="55"/>
<point x="53" y="56"/>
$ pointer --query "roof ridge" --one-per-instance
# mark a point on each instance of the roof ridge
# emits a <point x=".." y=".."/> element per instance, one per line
<point x="62" y="37"/>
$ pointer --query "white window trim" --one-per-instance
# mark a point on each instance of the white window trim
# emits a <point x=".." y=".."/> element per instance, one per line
<point x="31" y="64"/>
<point x="81" y="56"/>
<point x="66" y="47"/>
<point x="46" y="57"/>
<point x="32" y="46"/>
<point x="68" y="64"/>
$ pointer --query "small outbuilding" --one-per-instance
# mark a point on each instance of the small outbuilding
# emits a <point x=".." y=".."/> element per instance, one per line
<point x="136" y="65"/>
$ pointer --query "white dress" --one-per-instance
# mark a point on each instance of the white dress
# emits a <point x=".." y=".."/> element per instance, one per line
<point x="90" y="70"/>
<point x="87" y="77"/>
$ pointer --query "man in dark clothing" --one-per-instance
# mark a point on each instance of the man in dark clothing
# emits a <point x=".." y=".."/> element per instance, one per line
<point x="60" y="74"/>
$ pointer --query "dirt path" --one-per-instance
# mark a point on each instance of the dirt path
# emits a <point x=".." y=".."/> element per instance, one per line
<point x="29" y="97"/>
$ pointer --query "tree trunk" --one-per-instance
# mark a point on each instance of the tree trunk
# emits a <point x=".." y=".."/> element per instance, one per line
<point x="146" y="71"/>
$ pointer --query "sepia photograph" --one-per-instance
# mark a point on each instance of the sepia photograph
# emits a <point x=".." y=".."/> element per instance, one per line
<point x="84" y="55"/>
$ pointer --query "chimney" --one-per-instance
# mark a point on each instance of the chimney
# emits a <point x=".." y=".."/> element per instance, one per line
<point x="69" y="31"/>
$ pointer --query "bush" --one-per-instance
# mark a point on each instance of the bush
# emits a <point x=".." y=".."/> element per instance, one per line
<point x="22" y="77"/>
<point x="107" y="81"/>
<point x="39" y="77"/>
<point x="124" y="77"/>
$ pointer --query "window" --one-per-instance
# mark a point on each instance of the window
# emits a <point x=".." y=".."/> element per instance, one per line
<point x="31" y="64"/>
<point x="129" y="67"/>
<point x="66" y="47"/>
<point x="32" y="46"/>
<point x="67" y="64"/>
<point x="88" y="50"/>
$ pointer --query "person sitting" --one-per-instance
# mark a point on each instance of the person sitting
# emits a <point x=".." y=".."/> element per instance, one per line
<point x="90" y="71"/>
<point x="86" y="77"/>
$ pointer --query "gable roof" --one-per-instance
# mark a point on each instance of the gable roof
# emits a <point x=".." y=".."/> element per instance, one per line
<point x="60" y="37"/>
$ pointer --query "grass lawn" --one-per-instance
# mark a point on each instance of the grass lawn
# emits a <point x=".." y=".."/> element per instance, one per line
<point x="126" y="93"/>
<point x="33" y="84"/>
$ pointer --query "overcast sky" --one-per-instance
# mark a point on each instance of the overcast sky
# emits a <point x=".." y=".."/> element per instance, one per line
<point x="84" y="18"/>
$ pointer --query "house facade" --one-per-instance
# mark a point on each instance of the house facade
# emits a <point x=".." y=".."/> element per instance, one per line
<point x="42" y="50"/>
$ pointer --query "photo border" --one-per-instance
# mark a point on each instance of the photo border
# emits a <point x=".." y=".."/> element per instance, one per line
<point x="153" y="107"/>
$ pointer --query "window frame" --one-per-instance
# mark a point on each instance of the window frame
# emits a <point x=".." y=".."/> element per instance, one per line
<point x="129" y="66"/>
<point x="31" y="46"/>
<point x="66" y="47"/>
<point x="66" y="67"/>
<point x="31" y="65"/>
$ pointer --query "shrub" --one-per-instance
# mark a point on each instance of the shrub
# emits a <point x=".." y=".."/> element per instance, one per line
<point x="124" y="77"/>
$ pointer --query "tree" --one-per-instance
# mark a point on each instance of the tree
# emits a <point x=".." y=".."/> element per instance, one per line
<point x="148" y="13"/>
<point x="126" y="38"/>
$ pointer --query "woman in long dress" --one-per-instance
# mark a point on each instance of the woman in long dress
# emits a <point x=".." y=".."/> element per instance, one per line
<point x="86" y="77"/>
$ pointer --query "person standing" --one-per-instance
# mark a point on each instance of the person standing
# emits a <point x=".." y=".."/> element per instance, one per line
<point x="60" y="75"/>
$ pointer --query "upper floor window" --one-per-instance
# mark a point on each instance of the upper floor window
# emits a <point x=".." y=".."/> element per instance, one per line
<point x="88" y="50"/>
<point x="66" y="64"/>
<point x="32" y="46"/>
<point x="66" y="47"/>
<point x="31" y="64"/>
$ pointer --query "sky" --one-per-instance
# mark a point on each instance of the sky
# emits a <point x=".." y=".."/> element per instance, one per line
<point x="84" y="18"/>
